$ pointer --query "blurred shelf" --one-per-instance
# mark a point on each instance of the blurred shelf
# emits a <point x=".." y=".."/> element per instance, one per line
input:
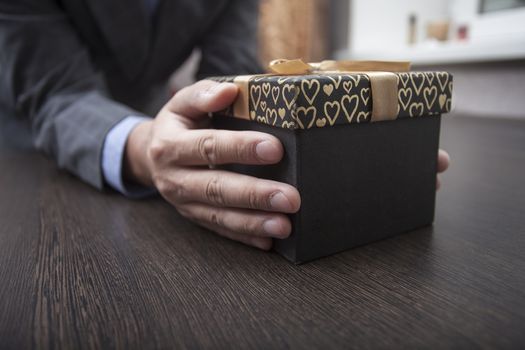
<point x="430" y="53"/>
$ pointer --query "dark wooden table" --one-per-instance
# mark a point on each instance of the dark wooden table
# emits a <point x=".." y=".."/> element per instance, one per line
<point x="83" y="269"/>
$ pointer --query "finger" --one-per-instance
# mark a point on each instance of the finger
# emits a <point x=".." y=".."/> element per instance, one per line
<point x="263" y="243"/>
<point x="226" y="189"/>
<point x="209" y="147"/>
<point x="443" y="161"/>
<point x="197" y="100"/>
<point x="239" y="221"/>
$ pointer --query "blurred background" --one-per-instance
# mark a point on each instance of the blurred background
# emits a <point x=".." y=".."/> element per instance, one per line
<point x="482" y="42"/>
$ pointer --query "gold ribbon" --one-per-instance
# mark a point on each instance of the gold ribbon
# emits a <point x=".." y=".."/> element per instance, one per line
<point x="383" y="82"/>
<point x="298" y="67"/>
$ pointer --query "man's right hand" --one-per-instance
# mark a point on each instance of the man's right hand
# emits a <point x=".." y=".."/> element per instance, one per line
<point x="173" y="152"/>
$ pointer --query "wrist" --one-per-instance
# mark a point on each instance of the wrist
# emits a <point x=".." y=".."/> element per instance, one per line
<point x="135" y="163"/>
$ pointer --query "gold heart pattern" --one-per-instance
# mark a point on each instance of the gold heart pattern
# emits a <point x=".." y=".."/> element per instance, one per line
<point x="255" y="95"/>
<point x="430" y="94"/>
<point x="306" y="116"/>
<point x="365" y="95"/>
<point x="266" y="89"/>
<point x="310" y="89"/>
<point x="350" y="104"/>
<point x="289" y="93"/>
<point x="328" y="89"/>
<point x="325" y="100"/>
<point x="404" y="97"/>
<point x="331" y="111"/>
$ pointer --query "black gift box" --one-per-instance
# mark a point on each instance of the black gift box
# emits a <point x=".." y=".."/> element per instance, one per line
<point x="359" y="180"/>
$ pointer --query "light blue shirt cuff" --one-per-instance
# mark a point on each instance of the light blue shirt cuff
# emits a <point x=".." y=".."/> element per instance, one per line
<point x="113" y="155"/>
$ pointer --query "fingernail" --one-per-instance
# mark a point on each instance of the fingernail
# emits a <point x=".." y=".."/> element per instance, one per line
<point x="273" y="228"/>
<point x="279" y="202"/>
<point x="267" y="151"/>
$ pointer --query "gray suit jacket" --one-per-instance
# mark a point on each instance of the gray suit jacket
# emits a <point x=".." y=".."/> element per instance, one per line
<point x="71" y="69"/>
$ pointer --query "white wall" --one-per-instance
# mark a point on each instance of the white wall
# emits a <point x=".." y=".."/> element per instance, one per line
<point x="379" y="29"/>
<point x="383" y="24"/>
<point x="489" y="69"/>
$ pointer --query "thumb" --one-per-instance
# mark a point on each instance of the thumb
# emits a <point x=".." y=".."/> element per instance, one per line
<point x="197" y="100"/>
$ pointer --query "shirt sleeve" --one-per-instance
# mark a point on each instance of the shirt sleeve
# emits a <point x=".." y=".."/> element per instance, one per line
<point x="113" y="156"/>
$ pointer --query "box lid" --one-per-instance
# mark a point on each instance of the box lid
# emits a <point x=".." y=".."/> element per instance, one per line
<point x="331" y="98"/>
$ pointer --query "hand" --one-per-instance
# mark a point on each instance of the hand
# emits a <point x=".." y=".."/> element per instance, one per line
<point x="173" y="152"/>
<point x="442" y="165"/>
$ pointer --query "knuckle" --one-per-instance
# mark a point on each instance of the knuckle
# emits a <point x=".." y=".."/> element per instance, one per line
<point x="254" y="200"/>
<point x="160" y="183"/>
<point x="207" y="148"/>
<point x="165" y="150"/>
<point x="250" y="226"/>
<point x="174" y="189"/>
<point x="215" y="218"/>
<point x="245" y="151"/>
<point x="179" y="189"/>
<point x="157" y="150"/>
<point x="213" y="191"/>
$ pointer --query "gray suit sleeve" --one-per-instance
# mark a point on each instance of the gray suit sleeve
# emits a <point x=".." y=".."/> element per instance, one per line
<point x="46" y="76"/>
<point x="230" y="47"/>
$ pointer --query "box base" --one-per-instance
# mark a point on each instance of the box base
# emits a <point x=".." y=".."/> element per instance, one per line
<point x="358" y="183"/>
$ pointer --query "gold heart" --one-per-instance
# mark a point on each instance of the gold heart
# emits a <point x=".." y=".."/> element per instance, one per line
<point x="275" y="94"/>
<point x="328" y="89"/>
<point x="293" y="113"/>
<point x="252" y="115"/>
<point x="449" y="105"/>
<point x="356" y="79"/>
<point x="442" y="100"/>
<point x="261" y="119"/>
<point x="263" y="105"/>
<point x="266" y="89"/>
<point x="363" y="115"/>
<point x="329" y="111"/>
<point x="450" y="88"/>
<point x="419" y="107"/>
<point x="289" y="98"/>
<point x="365" y="95"/>
<point x="404" y="97"/>
<point x="347" y="85"/>
<point x="430" y="77"/>
<point x="288" y="125"/>
<point x="282" y="112"/>
<point x="255" y="95"/>
<point x="320" y="122"/>
<point x="405" y="77"/>
<point x="347" y="107"/>
<point x="271" y="116"/>
<point x="336" y="81"/>
<point x="310" y="89"/>
<point x="305" y="112"/>
<point x="420" y="78"/>
<point x="442" y="80"/>
<point x="430" y="95"/>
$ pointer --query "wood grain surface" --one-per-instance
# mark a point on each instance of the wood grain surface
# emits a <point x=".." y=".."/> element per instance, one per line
<point x="82" y="269"/>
